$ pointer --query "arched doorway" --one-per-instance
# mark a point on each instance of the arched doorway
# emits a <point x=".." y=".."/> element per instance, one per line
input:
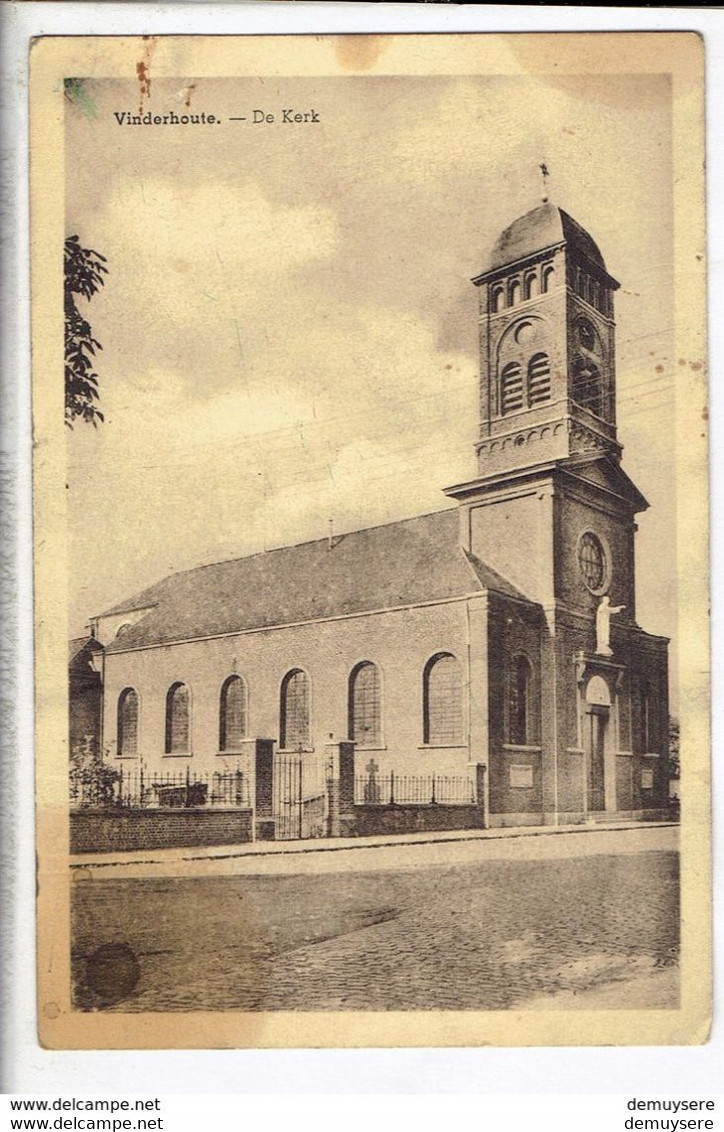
<point x="596" y="723"/>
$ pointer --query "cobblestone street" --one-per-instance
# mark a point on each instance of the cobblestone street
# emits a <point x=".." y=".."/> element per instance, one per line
<point x="536" y="921"/>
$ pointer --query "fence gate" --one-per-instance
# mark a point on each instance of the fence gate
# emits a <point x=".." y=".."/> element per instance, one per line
<point x="299" y="796"/>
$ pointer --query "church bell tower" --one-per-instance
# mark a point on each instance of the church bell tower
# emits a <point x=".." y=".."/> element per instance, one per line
<point x="551" y="506"/>
<point x="552" y="513"/>
<point x="547" y="348"/>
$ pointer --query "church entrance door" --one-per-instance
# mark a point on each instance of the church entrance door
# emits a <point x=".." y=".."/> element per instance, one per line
<point x="597" y="721"/>
<point x="598" y="774"/>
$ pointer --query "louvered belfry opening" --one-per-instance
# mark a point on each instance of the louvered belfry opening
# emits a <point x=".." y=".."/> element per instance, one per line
<point x="587" y="386"/>
<point x="539" y="379"/>
<point x="511" y="388"/>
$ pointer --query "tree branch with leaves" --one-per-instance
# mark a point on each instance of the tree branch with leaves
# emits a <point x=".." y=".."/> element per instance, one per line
<point x="84" y="270"/>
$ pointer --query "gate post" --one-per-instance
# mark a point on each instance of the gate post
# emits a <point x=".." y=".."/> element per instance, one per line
<point x="340" y="788"/>
<point x="481" y="793"/>
<point x="263" y="786"/>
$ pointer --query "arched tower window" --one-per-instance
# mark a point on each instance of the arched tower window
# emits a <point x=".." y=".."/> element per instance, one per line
<point x="514" y="293"/>
<point x="539" y="379"/>
<point x="127" y="743"/>
<point x="519" y="706"/>
<point x="177" y="719"/>
<point x="294" y="710"/>
<point x="591" y="290"/>
<point x="587" y="387"/>
<point x="547" y="278"/>
<point x="364" y="705"/>
<point x="442" y="705"/>
<point x="498" y="299"/>
<point x="511" y="388"/>
<point x="531" y="286"/>
<point x="232" y="714"/>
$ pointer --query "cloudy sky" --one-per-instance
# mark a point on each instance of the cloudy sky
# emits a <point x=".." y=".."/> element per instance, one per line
<point x="288" y="324"/>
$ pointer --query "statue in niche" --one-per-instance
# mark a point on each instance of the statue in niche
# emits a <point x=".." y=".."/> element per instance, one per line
<point x="604" y="614"/>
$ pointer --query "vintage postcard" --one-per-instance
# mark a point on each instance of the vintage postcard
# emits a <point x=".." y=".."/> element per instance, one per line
<point x="371" y="540"/>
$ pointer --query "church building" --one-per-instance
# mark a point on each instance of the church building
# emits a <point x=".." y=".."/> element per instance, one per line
<point x="497" y="636"/>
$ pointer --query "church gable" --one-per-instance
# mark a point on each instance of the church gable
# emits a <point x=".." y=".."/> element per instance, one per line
<point x="605" y="472"/>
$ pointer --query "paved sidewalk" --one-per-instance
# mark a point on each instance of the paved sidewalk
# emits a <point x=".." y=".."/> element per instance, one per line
<point x="354" y="852"/>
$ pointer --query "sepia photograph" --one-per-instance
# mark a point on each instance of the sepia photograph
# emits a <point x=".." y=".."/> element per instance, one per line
<point x="372" y="498"/>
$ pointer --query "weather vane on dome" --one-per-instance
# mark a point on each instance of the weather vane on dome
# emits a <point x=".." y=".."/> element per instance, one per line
<point x="544" y="173"/>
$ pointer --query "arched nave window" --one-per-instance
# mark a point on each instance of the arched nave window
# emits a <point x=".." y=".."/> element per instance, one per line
<point x="232" y="714"/>
<point x="127" y="743"/>
<point x="442" y="701"/>
<point x="177" y="719"/>
<point x="365" y="706"/>
<point x="294" y="727"/>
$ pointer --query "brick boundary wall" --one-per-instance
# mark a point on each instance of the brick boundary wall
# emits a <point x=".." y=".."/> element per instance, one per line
<point x="365" y="821"/>
<point x="96" y="831"/>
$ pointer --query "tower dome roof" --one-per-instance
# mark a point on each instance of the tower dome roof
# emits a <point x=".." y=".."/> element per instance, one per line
<point x="541" y="228"/>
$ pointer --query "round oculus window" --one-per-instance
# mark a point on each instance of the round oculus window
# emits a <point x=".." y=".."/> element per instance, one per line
<point x="524" y="333"/>
<point x="592" y="561"/>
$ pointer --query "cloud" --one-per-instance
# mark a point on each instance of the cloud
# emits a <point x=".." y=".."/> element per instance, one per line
<point x="360" y="422"/>
<point x="198" y="275"/>
<point x="190" y="228"/>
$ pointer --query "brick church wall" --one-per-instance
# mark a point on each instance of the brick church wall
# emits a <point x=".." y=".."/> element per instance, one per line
<point x="399" y="642"/>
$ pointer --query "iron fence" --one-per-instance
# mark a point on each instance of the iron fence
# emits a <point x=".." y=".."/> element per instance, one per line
<point x="136" y="789"/>
<point x="414" y="789"/>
